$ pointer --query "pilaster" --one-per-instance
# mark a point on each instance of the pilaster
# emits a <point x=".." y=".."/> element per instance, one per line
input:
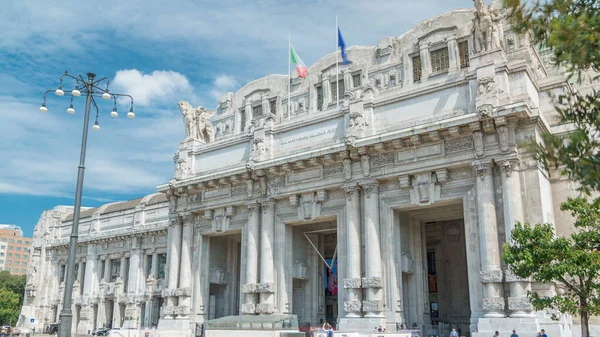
<point x="372" y="282"/>
<point x="266" y="287"/>
<point x="353" y="282"/>
<point x="252" y="232"/>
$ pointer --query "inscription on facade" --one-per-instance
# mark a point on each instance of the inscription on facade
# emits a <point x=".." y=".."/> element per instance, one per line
<point x="312" y="174"/>
<point x="308" y="136"/>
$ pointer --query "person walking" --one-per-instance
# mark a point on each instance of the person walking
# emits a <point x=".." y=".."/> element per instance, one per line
<point x="544" y="333"/>
<point x="454" y="333"/>
<point x="496" y="334"/>
<point x="327" y="327"/>
<point x="514" y="334"/>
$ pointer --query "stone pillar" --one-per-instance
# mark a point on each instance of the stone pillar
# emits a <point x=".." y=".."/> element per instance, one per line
<point x="518" y="303"/>
<point x="90" y="275"/>
<point x="185" y="269"/>
<point x="327" y="94"/>
<point x="107" y="269"/>
<point x="453" y="56"/>
<point x="80" y="272"/>
<point x="201" y="278"/>
<point x="154" y="266"/>
<point x="251" y="278"/>
<point x="266" y="287"/>
<point x="491" y="274"/>
<point x="373" y="304"/>
<point x="132" y="311"/>
<point x="347" y="81"/>
<point x="248" y="112"/>
<point x="425" y="62"/>
<point x="123" y="268"/>
<point x="174" y="257"/>
<point x="352" y="282"/>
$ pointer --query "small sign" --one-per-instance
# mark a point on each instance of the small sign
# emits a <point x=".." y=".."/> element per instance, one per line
<point x="31" y="320"/>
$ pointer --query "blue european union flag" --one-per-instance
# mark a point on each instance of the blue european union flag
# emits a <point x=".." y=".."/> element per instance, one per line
<point x="342" y="46"/>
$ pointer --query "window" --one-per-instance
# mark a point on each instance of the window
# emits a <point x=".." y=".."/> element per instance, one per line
<point x="8" y="262"/>
<point x="273" y="106"/>
<point x="3" y="239"/>
<point x="242" y="119"/>
<point x="431" y="270"/>
<point x="115" y="269"/>
<point x="257" y="111"/>
<point x="337" y="90"/>
<point x="26" y="242"/>
<point x="19" y="242"/>
<point x="2" y="254"/>
<point x="356" y="80"/>
<point x="9" y="255"/>
<point x="26" y="250"/>
<point x="417" y="71"/>
<point x="10" y="247"/>
<point x="18" y="256"/>
<point x="18" y="249"/>
<point x="15" y="270"/>
<point x="3" y="246"/>
<point x="23" y="271"/>
<point x="25" y="256"/>
<point x="11" y="241"/>
<point x="16" y="263"/>
<point x="1" y="261"/>
<point x="162" y="263"/>
<point x="440" y="60"/>
<point x="319" y="97"/>
<point x="463" y="52"/>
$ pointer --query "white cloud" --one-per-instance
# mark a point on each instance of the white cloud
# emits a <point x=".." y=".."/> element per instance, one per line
<point x="222" y="84"/>
<point x="159" y="86"/>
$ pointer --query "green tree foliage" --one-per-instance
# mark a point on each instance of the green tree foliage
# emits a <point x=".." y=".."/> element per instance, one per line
<point x="570" y="29"/>
<point x="571" y="262"/>
<point x="9" y="307"/>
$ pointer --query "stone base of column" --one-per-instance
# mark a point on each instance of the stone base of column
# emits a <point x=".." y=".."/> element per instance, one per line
<point x="360" y="324"/>
<point x="524" y="326"/>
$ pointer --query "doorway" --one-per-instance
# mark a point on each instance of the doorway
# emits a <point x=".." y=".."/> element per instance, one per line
<point x="315" y="274"/>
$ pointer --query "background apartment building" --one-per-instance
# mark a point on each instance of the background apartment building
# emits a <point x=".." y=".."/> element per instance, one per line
<point x="14" y="250"/>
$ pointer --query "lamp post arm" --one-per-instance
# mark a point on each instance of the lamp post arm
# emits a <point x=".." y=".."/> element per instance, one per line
<point x="66" y="315"/>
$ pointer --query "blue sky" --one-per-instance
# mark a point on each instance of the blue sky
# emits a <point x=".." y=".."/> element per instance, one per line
<point x="160" y="52"/>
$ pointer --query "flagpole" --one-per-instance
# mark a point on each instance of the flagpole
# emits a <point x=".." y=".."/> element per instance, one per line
<point x="289" y="76"/>
<point x="337" y="64"/>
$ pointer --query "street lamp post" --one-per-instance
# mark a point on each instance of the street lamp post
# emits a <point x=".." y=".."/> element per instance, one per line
<point x="91" y="89"/>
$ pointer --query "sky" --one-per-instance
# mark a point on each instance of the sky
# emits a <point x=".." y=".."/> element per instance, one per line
<point x="160" y="52"/>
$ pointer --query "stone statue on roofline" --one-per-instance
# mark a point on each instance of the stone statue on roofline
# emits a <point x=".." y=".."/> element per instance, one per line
<point x="196" y="122"/>
<point x="488" y="32"/>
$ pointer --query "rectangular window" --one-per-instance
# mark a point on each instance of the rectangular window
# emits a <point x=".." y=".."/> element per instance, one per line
<point x="8" y="262"/>
<point x="417" y="69"/>
<point x="26" y="242"/>
<point x="463" y="52"/>
<point x="23" y="271"/>
<point x="273" y="106"/>
<point x="440" y="60"/>
<point x="18" y="249"/>
<point x="11" y="241"/>
<point x="257" y="111"/>
<point x="2" y="254"/>
<point x="3" y="247"/>
<point x="356" y="80"/>
<point x="24" y="256"/>
<point x="3" y="239"/>
<point x="1" y="261"/>
<point x="10" y="247"/>
<point x="242" y="119"/>
<point x="337" y="90"/>
<point x="162" y="263"/>
<point x="19" y="242"/>
<point x="18" y="256"/>
<point x="16" y="263"/>
<point x="9" y="255"/>
<point x="319" y="97"/>
<point x="431" y="268"/>
<point x="15" y="270"/>
<point x="115" y="269"/>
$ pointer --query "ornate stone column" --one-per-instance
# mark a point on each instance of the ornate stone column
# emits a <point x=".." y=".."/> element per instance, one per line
<point x="352" y="282"/>
<point x="252" y="233"/>
<point x="248" y="112"/>
<point x="185" y="269"/>
<point x="154" y="266"/>
<point x="266" y="287"/>
<point x="123" y="268"/>
<point x="174" y="257"/>
<point x="491" y="274"/>
<point x="518" y="303"/>
<point x="425" y="61"/>
<point x="327" y="94"/>
<point x="373" y="305"/>
<point x="80" y="272"/>
<point x="107" y="267"/>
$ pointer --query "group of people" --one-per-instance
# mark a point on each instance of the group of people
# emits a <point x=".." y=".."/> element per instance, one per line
<point x="542" y="333"/>
<point x="380" y="329"/>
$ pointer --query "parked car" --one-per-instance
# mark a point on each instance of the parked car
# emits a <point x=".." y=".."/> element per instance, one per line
<point x="100" y="332"/>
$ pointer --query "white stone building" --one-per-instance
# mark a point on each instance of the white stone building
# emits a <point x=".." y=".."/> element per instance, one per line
<point x="404" y="191"/>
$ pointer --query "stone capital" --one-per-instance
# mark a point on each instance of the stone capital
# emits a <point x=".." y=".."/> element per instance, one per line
<point x="509" y="165"/>
<point x="351" y="190"/>
<point x="370" y="187"/>
<point x="253" y="206"/>
<point x="352" y="283"/>
<point x="482" y="169"/>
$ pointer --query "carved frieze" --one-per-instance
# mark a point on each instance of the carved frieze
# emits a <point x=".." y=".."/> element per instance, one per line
<point x="491" y="276"/>
<point x="306" y="175"/>
<point x="238" y="189"/>
<point x="458" y="144"/>
<point x="333" y="169"/>
<point x="353" y="306"/>
<point x="372" y="305"/>
<point x="371" y="282"/>
<point x="421" y="152"/>
<point x="493" y="304"/>
<point x="265" y="288"/>
<point x="352" y="283"/>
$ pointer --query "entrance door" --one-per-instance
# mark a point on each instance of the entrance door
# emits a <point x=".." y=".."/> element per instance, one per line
<point x="447" y="274"/>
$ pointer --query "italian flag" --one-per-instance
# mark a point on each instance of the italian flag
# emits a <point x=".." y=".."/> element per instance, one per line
<point x="297" y="62"/>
